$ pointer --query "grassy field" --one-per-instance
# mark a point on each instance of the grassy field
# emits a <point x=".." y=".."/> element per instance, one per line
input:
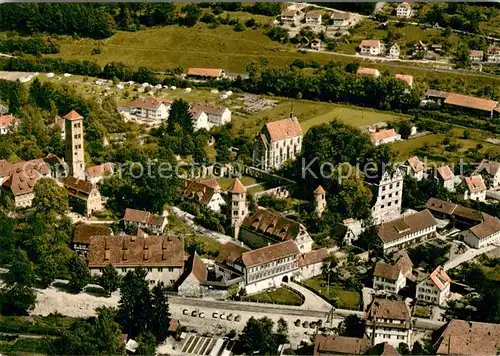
<point x="433" y="146"/>
<point x="277" y="296"/>
<point x="421" y="312"/>
<point x="345" y="299"/>
<point x="224" y="182"/>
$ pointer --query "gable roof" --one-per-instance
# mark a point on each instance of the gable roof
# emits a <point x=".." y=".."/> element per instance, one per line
<point x="460" y="337"/>
<point x="143" y="216"/>
<point x="335" y="344"/>
<point x="415" y="164"/>
<point x="383" y="134"/>
<point x="406" y="225"/>
<point x="147" y="103"/>
<point x="440" y="278"/>
<point x="445" y="173"/>
<point x="77" y="187"/>
<point x="387" y="309"/>
<point x="437" y="94"/>
<point x="72" y="115"/>
<point x="313" y="257"/>
<point x="83" y="232"/>
<point x="408" y="79"/>
<point x="205" y="72"/>
<point x="283" y="129"/>
<point x="449" y="208"/>
<point x="229" y="252"/>
<point x="367" y="71"/>
<point x="471" y="102"/>
<point x="475" y="183"/>
<point x="488" y="227"/>
<point x="135" y="251"/>
<point x="313" y="14"/>
<point x="209" y="108"/>
<point x="269" y="253"/>
<point x="100" y="170"/>
<point x="370" y="43"/>
<point x="22" y="182"/>
<point x="385" y="270"/>
<point x="490" y="167"/>
<point x="475" y="53"/>
<point x="405" y="4"/>
<point x="272" y="224"/>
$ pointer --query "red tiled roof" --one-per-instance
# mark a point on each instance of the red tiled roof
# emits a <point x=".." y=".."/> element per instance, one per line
<point x="445" y="173"/>
<point x="272" y="224"/>
<point x="475" y="183"/>
<point x="475" y="53"/>
<point x="100" y="170"/>
<point x="415" y="164"/>
<point x="437" y="93"/>
<point x="439" y="278"/>
<point x="340" y="345"/>
<point x="460" y="337"/>
<point x="470" y="102"/>
<point x="142" y="216"/>
<point x="408" y="79"/>
<point x="387" y="309"/>
<point x="205" y="72"/>
<point x="135" y="251"/>
<point x="230" y="252"/>
<point x="383" y="134"/>
<point x="370" y="43"/>
<point x="367" y="71"/>
<point x="319" y="190"/>
<point x="491" y="167"/>
<point x="409" y="224"/>
<point x="313" y="257"/>
<point x="236" y="187"/>
<point x="83" y="232"/>
<point x="269" y="253"/>
<point x="145" y="103"/>
<point x="283" y="129"/>
<point x="488" y="227"/>
<point x="314" y="14"/>
<point x="6" y="120"/>
<point x="77" y="187"/>
<point x="72" y="115"/>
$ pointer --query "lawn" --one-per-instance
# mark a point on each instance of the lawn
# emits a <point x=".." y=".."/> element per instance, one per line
<point x="492" y="273"/>
<point x="421" y="312"/>
<point x="224" y="182"/>
<point x="277" y="296"/>
<point x="344" y="298"/>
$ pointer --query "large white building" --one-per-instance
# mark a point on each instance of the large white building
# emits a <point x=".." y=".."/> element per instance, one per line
<point x="404" y="10"/>
<point x="371" y="47"/>
<point x="435" y="288"/>
<point x="410" y="229"/>
<point x="205" y="116"/>
<point x="148" y="108"/>
<point x="388" y="321"/>
<point x="269" y="266"/>
<point x="388" y="195"/>
<point x="394" y="51"/>
<point x="313" y="18"/>
<point x="483" y="234"/>
<point x="276" y="143"/>
<point x="446" y="177"/>
<point x="162" y="256"/>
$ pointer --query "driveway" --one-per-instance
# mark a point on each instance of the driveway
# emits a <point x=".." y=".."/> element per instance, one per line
<point x="312" y="300"/>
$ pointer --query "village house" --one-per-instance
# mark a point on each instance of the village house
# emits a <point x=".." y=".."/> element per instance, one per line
<point x="371" y="47"/>
<point x="311" y="264"/>
<point x="434" y="289"/>
<point x="289" y="17"/>
<point x="316" y="44"/>
<point x="394" y="51"/>
<point x="340" y="345"/>
<point x="446" y="177"/>
<point x="493" y="54"/>
<point x="205" y="73"/>
<point x="206" y="192"/>
<point x="388" y="321"/>
<point x="384" y="136"/>
<point x="190" y="283"/>
<point x="97" y="174"/>
<point x="419" y="47"/>
<point x="483" y="234"/>
<point x="415" y="168"/>
<point x="404" y="10"/>
<point x="83" y="233"/>
<point x="265" y="227"/>
<point x="277" y="142"/>
<point x="368" y="71"/>
<point x="228" y="263"/>
<point x="353" y="228"/>
<point x="476" y="56"/>
<point x="269" y="266"/>
<point x="387" y="192"/>
<point x="392" y="277"/>
<point x="490" y="171"/>
<point x="199" y="119"/>
<point x="7" y="124"/>
<point x="141" y="219"/>
<point x="410" y="229"/>
<point x="340" y="19"/>
<point x="463" y="102"/>
<point x="406" y="78"/>
<point x="313" y="18"/>
<point x="84" y="198"/>
<point x="161" y="256"/>
<point x="462" y="337"/>
<point x="147" y="108"/>
<point x="215" y="115"/>
<point x="474" y="188"/>
<point x="18" y="180"/>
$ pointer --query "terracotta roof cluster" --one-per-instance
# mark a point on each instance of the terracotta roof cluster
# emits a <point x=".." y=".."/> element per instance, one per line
<point x="236" y="187"/>
<point x="470" y="102"/>
<point x="144" y="217"/>
<point x="340" y="345"/>
<point x="460" y="337"/>
<point x="230" y="252"/>
<point x="383" y="134"/>
<point x="269" y="253"/>
<point x="204" y="72"/>
<point x="313" y="257"/>
<point x="370" y="43"/>
<point x="101" y="170"/>
<point x="445" y="173"/>
<point x="283" y="129"/>
<point x="6" y="120"/>
<point x="135" y="251"/>
<point x="202" y="190"/>
<point x="449" y="208"/>
<point x="415" y="164"/>
<point x="440" y="278"/>
<point x="73" y="115"/>
<point x="367" y="71"/>
<point x="408" y="79"/>
<point x="83" y="232"/>
<point x="387" y="309"/>
<point x="391" y="272"/>
<point x="406" y="225"/>
<point x="21" y="177"/>
<point x="77" y="188"/>
<point x="475" y="183"/>
<point x="272" y="224"/>
<point x="475" y="53"/>
<point x="490" y="167"/>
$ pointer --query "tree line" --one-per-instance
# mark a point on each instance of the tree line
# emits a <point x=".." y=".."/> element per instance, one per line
<point x="27" y="46"/>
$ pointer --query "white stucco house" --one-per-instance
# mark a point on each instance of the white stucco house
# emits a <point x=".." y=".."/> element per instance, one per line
<point x="311" y="264"/>
<point x="483" y="234"/>
<point x="392" y="277"/>
<point x="371" y="47"/>
<point x="388" y="321"/>
<point x="434" y="289"/>
<point x="474" y="188"/>
<point x="404" y="10"/>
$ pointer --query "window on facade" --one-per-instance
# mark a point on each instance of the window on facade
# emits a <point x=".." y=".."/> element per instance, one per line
<point x="150" y="270"/>
<point x="383" y="206"/>
<point x="170" y="269"/>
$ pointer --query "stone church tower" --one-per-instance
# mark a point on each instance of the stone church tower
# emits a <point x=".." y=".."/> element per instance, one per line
<point x="320" y="200"/>
<point x="74" y="144"/>
<point x="239" y="208"/>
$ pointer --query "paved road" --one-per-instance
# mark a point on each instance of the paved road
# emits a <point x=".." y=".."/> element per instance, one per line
<point x="312" y="300"/>
<point x="467" y="256"/>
